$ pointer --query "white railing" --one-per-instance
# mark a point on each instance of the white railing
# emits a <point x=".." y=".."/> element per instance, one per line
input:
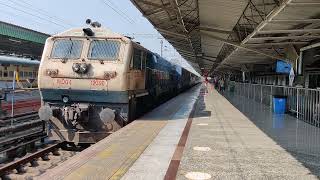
<point x="303" y="102"/>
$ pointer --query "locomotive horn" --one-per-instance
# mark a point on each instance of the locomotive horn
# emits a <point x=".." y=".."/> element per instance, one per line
<point x="88" y="31"/>
<point x="96" y="24"/>
<point x="88" y="21"/>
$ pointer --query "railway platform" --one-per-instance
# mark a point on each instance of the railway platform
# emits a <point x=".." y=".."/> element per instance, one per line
<point x="197" y="135"/>
<point x="23" y="102"/>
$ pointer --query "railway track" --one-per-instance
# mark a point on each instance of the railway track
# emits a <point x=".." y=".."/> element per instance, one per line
<point x="7" y="121"/>
<point x="34" y="164"/>
<point x="20" y="130"/>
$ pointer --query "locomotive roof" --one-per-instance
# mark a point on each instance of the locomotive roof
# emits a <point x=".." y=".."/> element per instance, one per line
<point x="98" y="33"/>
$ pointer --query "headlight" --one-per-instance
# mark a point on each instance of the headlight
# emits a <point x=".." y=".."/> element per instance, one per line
<point x="65" y="99"/>
<point x="83" y="68"/>
<point x="110" y="75"/>
<point x="76" y="67"/>
<point x="52" y="72"/>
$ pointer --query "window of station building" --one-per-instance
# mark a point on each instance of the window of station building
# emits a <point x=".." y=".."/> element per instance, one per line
<point x="5" y="74"/>
<point x="66" y="49"/>
<point x="21" y="74"/>
<point x="0" y="73"/>
<point x="104" y="50"/>
<point x="10" y="73"/>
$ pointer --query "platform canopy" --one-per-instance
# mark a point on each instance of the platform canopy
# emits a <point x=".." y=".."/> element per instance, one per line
<point x="235" y="34"/>
<point x="20" y="41"/>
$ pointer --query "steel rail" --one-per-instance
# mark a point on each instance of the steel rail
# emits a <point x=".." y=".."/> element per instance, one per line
<point x="24" y="160"/>
<point x="18" y="127"/>
<point x="19" y="115"/>
<point x="39" y="137"/>
<point x="21" y="118"/>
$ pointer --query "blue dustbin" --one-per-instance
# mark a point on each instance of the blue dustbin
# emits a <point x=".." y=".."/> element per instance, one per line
<point x="279" y="104"/>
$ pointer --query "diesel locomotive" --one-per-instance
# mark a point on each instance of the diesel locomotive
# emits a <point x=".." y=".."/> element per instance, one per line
<point x="93" y="81"/>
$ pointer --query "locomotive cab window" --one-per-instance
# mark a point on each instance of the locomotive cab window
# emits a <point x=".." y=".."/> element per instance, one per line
<point x="66" y="49"/>
<point x="138" y="60"/>
<point x="104" y="50"/>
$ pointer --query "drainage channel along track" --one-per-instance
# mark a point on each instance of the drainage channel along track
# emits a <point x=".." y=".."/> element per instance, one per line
<point x="36" y="163"/>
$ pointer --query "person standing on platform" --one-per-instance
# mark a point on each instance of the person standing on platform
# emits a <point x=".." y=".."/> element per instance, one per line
<point x="221" y="85"/>
<point x="215" y="81"/>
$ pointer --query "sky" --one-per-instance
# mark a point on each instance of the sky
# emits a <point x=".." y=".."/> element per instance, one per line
<point x="54" y="16"/>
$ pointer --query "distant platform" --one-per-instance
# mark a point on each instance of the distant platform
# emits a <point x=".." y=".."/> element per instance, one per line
<point x="217" y="141"/>
<point x="9" y="85"/>
<point x="23" y="102"/>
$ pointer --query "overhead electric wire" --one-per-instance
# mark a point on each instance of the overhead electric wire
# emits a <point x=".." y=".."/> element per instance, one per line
<point x="22" y="17"/>
<point x="143" y="35"/>
<point x="125" y="14"/>
<point x="34" y="15"/>
<point x="116" y="11"/>
<point x="41" y="11"/>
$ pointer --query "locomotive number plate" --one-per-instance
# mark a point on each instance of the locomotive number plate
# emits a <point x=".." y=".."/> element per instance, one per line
<point x="98" y="82"/>
<point x="64" y="82"/>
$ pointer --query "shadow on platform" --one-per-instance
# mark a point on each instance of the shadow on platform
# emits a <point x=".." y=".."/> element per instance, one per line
<point x="298" y="138"/>
<point x="179" y="106"/>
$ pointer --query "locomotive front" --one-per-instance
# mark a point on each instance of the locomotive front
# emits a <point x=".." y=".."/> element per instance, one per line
<point x="82" y="81"/>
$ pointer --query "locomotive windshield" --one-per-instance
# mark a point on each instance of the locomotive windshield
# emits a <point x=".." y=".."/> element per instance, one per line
<point x="104" y="50"/>
<point x="66" y="49"/>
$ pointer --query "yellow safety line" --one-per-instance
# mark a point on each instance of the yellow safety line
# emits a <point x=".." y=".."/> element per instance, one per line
<point x="134" y="156"/>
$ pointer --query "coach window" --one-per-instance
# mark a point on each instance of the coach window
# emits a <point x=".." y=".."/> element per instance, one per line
<point x="137" y="56"/>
